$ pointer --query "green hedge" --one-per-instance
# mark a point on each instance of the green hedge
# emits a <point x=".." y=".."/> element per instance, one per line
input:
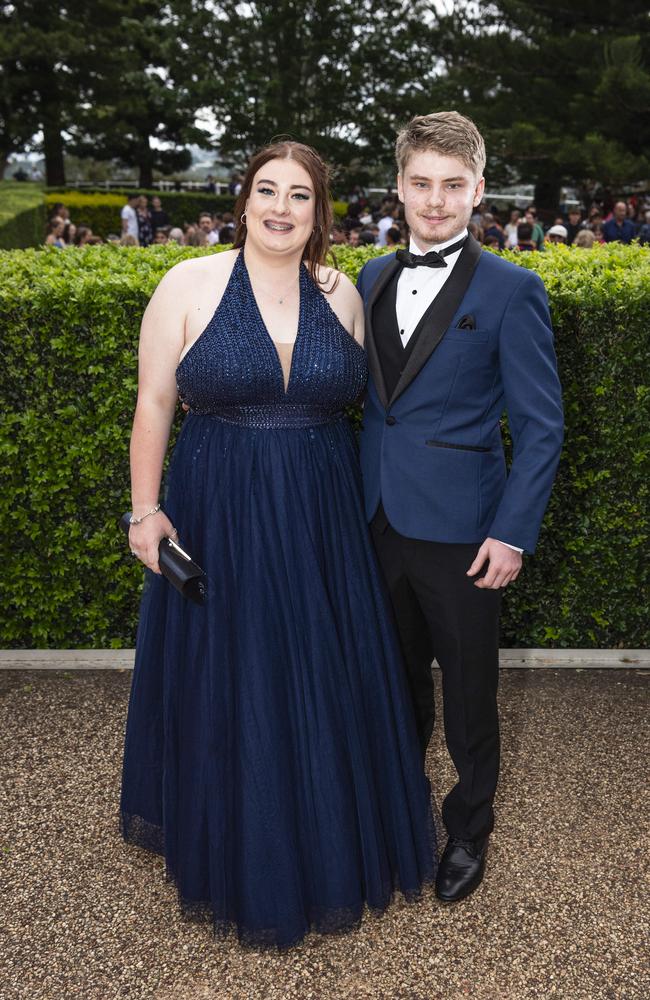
<point x="22" y="215"/>
<point x="101" y="209"/>
<point x="70" y="324"/>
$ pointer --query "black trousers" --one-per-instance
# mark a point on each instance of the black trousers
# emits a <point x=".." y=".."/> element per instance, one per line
<point x="441" y="614"/>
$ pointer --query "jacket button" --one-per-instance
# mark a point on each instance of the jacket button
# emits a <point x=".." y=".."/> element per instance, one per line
<point x="390" y="421"/>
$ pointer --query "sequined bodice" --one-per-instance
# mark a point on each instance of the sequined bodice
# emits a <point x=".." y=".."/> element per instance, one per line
<point x="233" y="370"/>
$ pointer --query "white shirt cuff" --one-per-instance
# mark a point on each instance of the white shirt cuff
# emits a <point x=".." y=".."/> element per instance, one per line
<point x="515" y="547"/>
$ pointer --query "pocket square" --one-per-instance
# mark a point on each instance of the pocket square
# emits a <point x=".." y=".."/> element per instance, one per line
<point x="466" y="323"/>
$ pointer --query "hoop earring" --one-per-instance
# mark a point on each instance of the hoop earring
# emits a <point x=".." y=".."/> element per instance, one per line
<point x="243" y="218"/>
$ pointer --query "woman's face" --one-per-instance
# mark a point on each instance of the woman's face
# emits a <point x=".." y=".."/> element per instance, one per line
<point x="280" y="211"/>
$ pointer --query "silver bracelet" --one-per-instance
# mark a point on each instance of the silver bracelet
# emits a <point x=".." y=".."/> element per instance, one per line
<point x="137" y="520"/>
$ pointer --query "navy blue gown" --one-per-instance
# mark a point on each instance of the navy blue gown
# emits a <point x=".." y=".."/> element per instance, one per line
<point x="271" y="753"/>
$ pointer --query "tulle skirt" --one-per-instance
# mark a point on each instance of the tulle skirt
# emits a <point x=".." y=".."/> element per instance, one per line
<point x="271" y="753"/>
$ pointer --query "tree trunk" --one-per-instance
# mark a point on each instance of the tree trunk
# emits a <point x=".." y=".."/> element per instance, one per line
<point x="547" y="196"/>
<point x="53" y="146"/>
<point x="145" y="158"/>
<point x="146" y="176"/>
<point x="4" y="159"/>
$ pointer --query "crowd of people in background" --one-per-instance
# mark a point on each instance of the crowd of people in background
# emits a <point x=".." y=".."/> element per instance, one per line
<point x="377" y="222"/>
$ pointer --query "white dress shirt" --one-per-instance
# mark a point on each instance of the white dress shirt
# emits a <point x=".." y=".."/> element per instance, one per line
<point x="416" y="289"/>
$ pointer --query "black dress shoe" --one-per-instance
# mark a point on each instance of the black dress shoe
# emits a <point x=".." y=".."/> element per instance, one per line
<point x="461" y="869"/>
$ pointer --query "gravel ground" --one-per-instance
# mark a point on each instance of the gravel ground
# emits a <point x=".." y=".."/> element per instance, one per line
<point x="562" y="912"/>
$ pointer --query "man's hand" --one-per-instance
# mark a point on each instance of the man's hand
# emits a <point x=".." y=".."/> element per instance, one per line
<point x="504" y="567"/>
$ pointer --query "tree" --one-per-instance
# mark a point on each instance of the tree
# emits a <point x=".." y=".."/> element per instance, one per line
<point x="136" y="105"/>
<point x="38" y="48"/>
<point x="560" y="91"/>
<point x="333" y="73"/>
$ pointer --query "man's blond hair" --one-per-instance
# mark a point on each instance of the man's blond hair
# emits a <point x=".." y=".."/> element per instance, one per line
<point x="444" y="132"/>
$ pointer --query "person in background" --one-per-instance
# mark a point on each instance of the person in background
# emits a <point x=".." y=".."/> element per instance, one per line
<point x="210" y="185"/>
<point x="619" y="228"/>
<point x="195" y="237"/>
<point x="644" y="229"/>
<point x="538" y="233"/>
<point x="393" y="237"/>
<point x="206" y="225"/>
<point x="145" y="230"/>
<point x="352" y="220"/>
<point x="493" y="228"/>
<point x="129" y="241"/>
<point x="525" y="237"/>
<point x="491" y="242"/>
<point x="129" y="217"/>
<point x="227" y="231"/>
<point x="574" y="225"/>
<point x="337" y="236"/>
<point x="83" y="236"/>
<point x="59" y="210"/>
<point x="510" y="229"/>
<point x="54" y="232"/>
<point x="386" y="222"/>
<point x="353" y="237"/>
<point x="585" y="239"/>
<point x="159" y="217"/>
<point x="69" y="232"/>
<point x="366" y="238"/>
<point x="557" y="234"/>
<point x="161" y="237"/>
<point x="476" y="230"/>
<point x="176" y="236"/>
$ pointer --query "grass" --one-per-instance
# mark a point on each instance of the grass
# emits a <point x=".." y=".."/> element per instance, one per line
<point x="17" y="197"/>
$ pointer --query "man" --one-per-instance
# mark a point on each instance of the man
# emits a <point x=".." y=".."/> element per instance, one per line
<point x="557" y="234"/>
<point x="129" y="217"/>
<point x="619" y="228"/>
<point x="538" y="233"/>
<point x="454" y="336"/>
<point x="206" y="225"/>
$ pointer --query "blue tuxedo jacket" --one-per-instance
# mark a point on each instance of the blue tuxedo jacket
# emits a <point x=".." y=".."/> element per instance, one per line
<point x="432" y="453"/>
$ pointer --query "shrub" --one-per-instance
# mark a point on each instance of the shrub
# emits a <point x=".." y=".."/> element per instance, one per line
<point x="70" y="327"/>
<point x="22" y="215"/>
<point x="101" y="209"/>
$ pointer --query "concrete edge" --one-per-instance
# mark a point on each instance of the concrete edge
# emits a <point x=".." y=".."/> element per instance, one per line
<point x="122" y="659"/>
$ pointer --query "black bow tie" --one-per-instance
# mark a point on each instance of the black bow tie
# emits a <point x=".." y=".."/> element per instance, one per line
<point x="434" y="258"/>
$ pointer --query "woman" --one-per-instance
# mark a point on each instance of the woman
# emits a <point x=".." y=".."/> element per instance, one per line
<point x="54" y="232"/>
<point x="270" y="749"/>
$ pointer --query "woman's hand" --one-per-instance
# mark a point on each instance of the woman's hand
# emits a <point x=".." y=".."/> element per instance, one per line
<point x="144" y="538"/>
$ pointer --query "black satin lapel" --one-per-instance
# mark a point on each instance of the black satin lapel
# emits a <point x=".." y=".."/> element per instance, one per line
<point x="440" y="314"/>
<point x="374" y="365"/>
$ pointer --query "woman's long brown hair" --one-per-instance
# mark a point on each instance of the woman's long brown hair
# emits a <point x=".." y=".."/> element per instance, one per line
<point x="318" y="245"/>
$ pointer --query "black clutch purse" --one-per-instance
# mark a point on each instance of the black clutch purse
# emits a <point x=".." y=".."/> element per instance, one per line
<point x="177" y="566"/>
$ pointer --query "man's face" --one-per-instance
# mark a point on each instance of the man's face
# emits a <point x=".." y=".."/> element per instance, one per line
<point x="620" y="211"/>
<point x="205" y="223"/>
<point x="353" y="238"/>
<point x="439" y="193"/>
<point x="574" y="218"/>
